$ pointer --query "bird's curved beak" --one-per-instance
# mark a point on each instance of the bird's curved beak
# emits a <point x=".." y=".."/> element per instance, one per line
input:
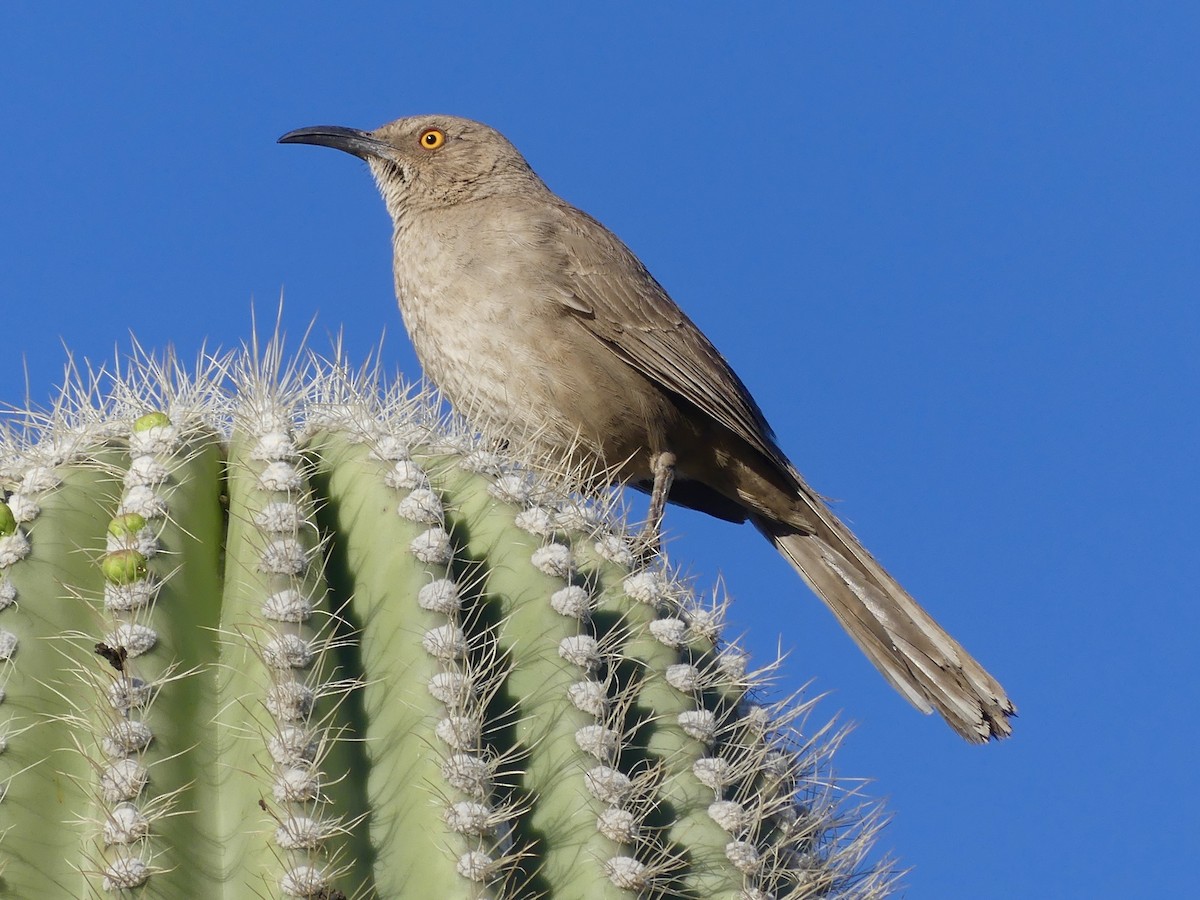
<point x="349" y="140"/>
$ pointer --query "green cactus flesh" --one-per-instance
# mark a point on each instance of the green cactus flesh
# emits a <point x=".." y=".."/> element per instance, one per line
<point x="273" y="633"/>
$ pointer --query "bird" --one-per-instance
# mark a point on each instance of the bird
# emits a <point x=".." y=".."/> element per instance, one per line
<point x="539" y="324"/>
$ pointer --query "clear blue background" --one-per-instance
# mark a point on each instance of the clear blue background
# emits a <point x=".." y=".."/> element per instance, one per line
<point x="952" y="248"/>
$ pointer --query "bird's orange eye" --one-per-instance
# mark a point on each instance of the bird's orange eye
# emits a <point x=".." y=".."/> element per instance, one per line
<point x="432" y="138"/>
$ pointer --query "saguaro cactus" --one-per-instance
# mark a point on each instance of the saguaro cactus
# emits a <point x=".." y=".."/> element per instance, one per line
<point x="282" y="633"/>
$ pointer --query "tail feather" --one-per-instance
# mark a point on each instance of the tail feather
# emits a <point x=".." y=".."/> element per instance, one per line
<point x="921" y="660"/>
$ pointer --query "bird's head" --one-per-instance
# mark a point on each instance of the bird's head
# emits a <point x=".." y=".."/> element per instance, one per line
<point x="426" y="162"/>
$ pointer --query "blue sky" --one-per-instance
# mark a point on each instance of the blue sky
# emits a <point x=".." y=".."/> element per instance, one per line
<point x="952" y="249"/>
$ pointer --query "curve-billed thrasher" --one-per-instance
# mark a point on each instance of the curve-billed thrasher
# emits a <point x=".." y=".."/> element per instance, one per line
<point x="536" y="322"/>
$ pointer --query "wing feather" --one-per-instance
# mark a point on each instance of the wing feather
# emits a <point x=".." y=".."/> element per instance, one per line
<point x="625" y="308"/>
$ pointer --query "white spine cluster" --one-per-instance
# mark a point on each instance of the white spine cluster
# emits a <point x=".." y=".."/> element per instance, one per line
<point x="23" y="507"/>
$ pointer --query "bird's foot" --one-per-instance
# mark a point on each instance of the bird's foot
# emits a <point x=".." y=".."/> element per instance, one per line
<point x="649" y="541"/>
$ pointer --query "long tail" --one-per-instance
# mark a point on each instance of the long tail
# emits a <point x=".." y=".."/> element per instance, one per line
<point x="912" y="651"/>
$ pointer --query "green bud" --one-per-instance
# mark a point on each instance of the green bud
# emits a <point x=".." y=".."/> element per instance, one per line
<point x="8" y="522"/>
<point x="151" y="420"/>
<point x="126" y="525"/>
<point x="124" y="566"/>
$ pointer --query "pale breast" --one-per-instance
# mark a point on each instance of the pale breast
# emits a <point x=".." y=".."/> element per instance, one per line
<point x="505" y="353"/>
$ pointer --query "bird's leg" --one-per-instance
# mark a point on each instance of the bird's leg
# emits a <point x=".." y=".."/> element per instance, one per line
<point x="663" y="467"/>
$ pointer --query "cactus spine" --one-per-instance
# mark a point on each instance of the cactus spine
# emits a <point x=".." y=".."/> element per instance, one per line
<point x="267" y="632"/>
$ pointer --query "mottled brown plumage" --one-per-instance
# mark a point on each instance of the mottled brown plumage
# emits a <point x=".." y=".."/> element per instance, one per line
<point x="539" y="325"/>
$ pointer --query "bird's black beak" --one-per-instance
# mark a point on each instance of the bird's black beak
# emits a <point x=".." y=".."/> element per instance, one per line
<point x="350" y="140"/>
